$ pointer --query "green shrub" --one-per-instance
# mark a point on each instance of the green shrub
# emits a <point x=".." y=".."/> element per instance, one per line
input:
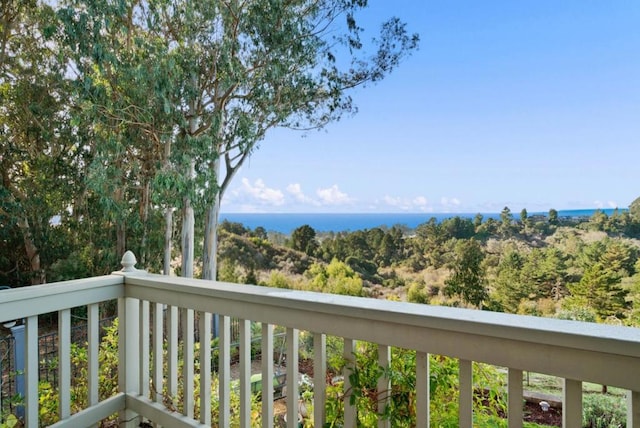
<point x="603" y="411"/>
<point x="401" y="410"/>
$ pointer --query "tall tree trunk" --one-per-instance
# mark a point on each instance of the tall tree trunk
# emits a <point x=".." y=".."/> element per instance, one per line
<point x="121" y="226"/>
<point x="168" y="234"/>
<point x="188" y="227"/>
<point x="144" y="216"/>
<point x="121" y="239"/>
<point x="210" y="253"/>
<point x="168" y="217"/>
<point x="188" y="220"/>
<point x="37" y="274"/>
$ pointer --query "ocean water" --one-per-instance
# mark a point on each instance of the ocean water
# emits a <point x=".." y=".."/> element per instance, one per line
<point x="339" y="222"/>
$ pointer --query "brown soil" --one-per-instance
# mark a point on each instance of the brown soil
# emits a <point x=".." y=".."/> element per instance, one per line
<point x="533" y="413"/>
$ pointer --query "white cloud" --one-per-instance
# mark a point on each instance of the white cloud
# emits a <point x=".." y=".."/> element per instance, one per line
<point x="395" y="202"/>
<point x="449" y="202"/>
<point x="612" y="204"/>
<point x="260" y="192"/>
<point x="333" y="196"/>
<point x="419" y="203"/>
<point x="296" y="191"/>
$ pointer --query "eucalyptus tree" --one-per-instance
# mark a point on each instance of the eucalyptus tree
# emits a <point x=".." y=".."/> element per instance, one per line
<point x="229" y="71"/>
<point x="37" y="150"/>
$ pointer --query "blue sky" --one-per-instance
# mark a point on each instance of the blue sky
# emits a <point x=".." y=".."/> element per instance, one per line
<point x="527" y="104"/>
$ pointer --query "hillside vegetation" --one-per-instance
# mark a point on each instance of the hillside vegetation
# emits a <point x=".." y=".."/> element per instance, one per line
<point x="575" y="268"/>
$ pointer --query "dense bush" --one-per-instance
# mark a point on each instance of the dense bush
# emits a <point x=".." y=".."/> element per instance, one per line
<point x="603" y="411"/>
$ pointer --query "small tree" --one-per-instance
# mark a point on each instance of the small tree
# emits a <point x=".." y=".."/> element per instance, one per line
<point x="468" y="278"/>
<point x="553" y="217"/>
<point x="303" y="239"/>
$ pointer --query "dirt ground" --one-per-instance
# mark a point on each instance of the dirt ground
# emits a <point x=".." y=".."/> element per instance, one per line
<point x="534" y="413"/>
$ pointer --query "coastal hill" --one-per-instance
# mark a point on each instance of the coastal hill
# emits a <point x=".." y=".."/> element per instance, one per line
<point x="583" y="268"/>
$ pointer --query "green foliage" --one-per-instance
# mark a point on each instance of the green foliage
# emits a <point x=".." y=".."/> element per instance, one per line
<point x="278" y="280"/>
<point x="336" y="277"/>
<point x="468" y="275"/>
<point x="506" y="222"/>
<point x="303" y="239"/>
<point x="11" y="422"/>
<point x="600" y="289"/>
<point x="364" y="372"/>
<point x="418" y="293"/>
<point x="108" y="361"/>
<point x="603" y="411"/>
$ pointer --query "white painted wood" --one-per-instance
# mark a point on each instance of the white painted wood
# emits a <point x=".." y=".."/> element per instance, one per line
<point x="145" y="357"/>
<point x="293" y="390"/>
<point x="158" y="412"/>
<point x="267" y="375"/>
<point x="319" y="379"/>
<point x="465" y="417"/>
<point x="562" y="348"/>
<point x="92" y="415"/>
<point x="572" y="404"/>
<point x="204" y="326"/>
<point x="515" y="412"/>
<point x="188" y="394"/>
<point x="245" y="373"/>
<point x="350" y="414"/>
<point x="633" y="409"/>
<point x="172" y="353"/>
<point x="158" y="344"/>
<point x="31" y="374"/>
<point x="64" y="363"/>
<point x="384" y="385"/>
<point x="25" y="302"/>
<point x="93" y="343"/>
<point x="548" y="346"/>
<point x="129" y="355"/>
<point x="422" y="390"/>
<point x="224" y="371"/>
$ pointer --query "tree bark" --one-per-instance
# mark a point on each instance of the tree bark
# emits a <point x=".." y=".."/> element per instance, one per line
<point x="168" y="234"/>
<point x="188" y="227"/>
<point x="188" y="220"/>
<point x="210" y="253"/>
<point x="144" y="216"/>
<point x="121" y="239"/>
<point x="37" y="274"/>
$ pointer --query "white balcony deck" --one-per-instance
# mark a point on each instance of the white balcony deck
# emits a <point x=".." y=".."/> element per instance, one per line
<point x="576" y="352"/>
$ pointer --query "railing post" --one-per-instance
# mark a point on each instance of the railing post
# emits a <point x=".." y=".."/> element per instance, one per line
<point x="64" y="363"/>
<point x="422" y="390"/>
<point x="319" y="378"/>
<point x="466" y="393"/>
<point x="633" y="409"/>
<point x="31" y="371"/>
<point x="129" y="344"/>
<point x="267" y="374"/>
<point x="293" y="390"/>
<point x="18" y="357"/>
<point x="350" y="411"/>
<point x="515" y="398"/>
<point x="384" y="386"/>
<point x="572" y="404"/>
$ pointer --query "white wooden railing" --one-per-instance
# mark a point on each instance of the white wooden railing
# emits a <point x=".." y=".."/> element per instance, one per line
<point x="576" y="352"/>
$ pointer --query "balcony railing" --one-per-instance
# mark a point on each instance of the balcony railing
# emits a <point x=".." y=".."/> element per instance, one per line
<point x="576" y="352"/>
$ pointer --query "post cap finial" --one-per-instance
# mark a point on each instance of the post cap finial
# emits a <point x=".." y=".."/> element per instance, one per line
<point x="129" y="262"/>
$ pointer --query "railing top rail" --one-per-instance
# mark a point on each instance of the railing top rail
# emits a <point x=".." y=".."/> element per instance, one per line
<point x="39" y="299"/>
<point x="620" y="340"/>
